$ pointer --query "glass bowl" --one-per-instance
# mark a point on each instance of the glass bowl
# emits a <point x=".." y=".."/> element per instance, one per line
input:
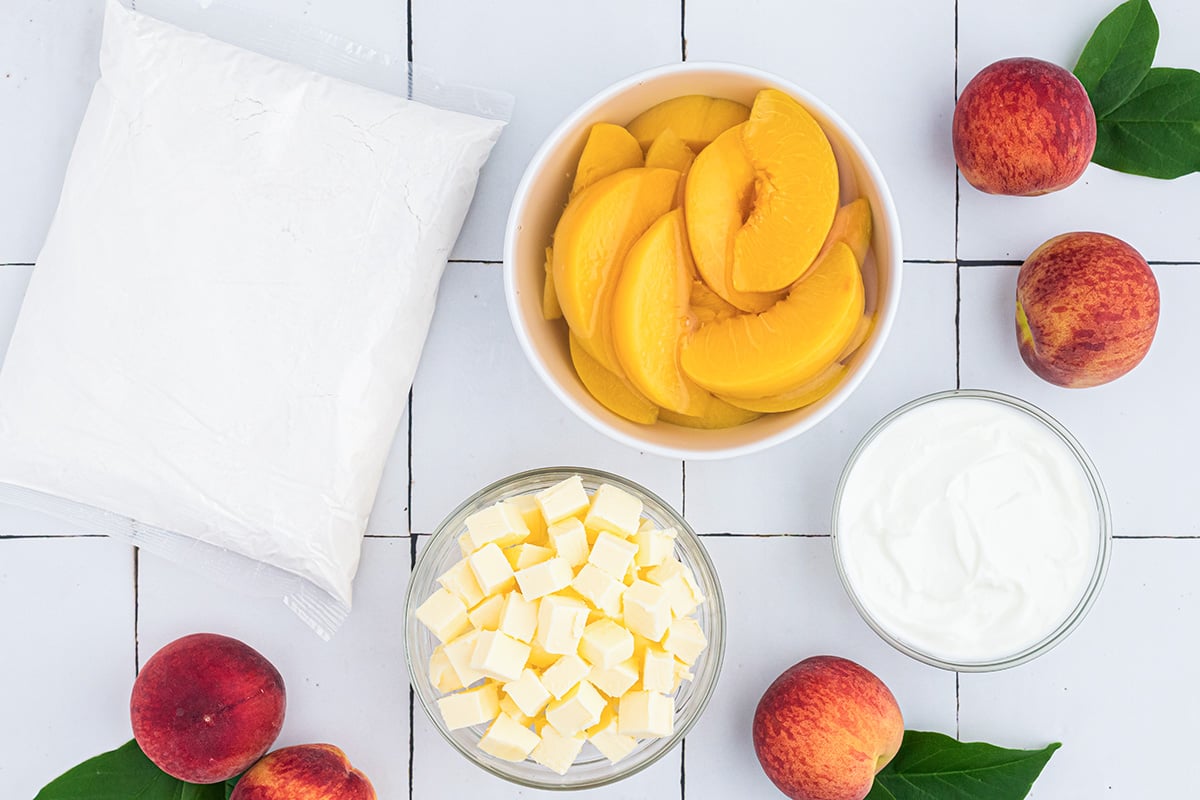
<point x="1087" y="596"/>
<point x="590" y="769"/>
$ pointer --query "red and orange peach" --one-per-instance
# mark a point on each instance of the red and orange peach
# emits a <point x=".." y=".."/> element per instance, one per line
<point x="304" y="772"/>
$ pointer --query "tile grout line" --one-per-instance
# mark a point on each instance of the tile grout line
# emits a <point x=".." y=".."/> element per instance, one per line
<point x="412" y="540"/>
<point x="683" y="30"/>
<point x="412" y="562"/>
<point x="957" y="262"/>
<point x="957" y="708"/>
<point x="137" y="658"/>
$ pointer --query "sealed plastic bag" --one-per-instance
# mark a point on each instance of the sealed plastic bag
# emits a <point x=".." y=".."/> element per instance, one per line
<point x="219" y="336"/>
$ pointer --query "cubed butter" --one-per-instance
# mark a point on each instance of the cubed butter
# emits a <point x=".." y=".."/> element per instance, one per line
<point x="486" y="615"/>
<point x="562" y="500"/>
<point x="616" y="680"/>
<point x="498" y="655"/>
<point x="544" y="578"/>
<point x="518" y="617"/>
<point x="539" y="658"/>
<point x="605" y="644"/>
<point x="580" y="708"/>
<point x="464" y="545"/>
<point x="561" y="621"/>
<point x="441" y="673"/>
<point x="645" y="714"/>
<point x="612" y="554"/>
<point x="507" y="706"/>
<point x="528" y="692"/>
<point x="611" y="744"/>
<point x="647" y="610"/>
<point x="508" y="739"/>
<point x="501" y="523"/>
<point x="444" y="614"/>
<point x="569" y="540"/>
<point x="491" y="569"/>
<point x="599" y="588"/>
<point x="470" y="707"/>
<point x="681" y="674"/>
<point x="525" y="555"/>
<point x="654" y="546"/>
<point x="459" y="652"/>
<point x="557" y="751"/>
<point x="531" y="512"/>
<point x="658" y="670"/>
<point x="677" y="581"/>
<point x="564" y="675"/>
<point x="685" y="640"/>
<point x="615" y="511"/>
<point x="460" y="581"/>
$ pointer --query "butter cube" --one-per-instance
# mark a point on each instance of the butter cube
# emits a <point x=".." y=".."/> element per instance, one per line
<point x="561" y="621"/>
<point x="681" y="674"/>
<point x="458" y="653"/>
<point x="501" y="523"/>
<point x="518" y="617"/>
<point x="677" y="581"/>
<point x="460" y="581"/>
<point x="654" y="546"/>
<point x="606" y="644"/>
<point x="614" y="511"/>
<point x="612" y="554"/>
<point x="580" y="708"/>
<point x="539" y="658"/>
<point x="528" y="692"/>
<point x="647" y="610"/>
<point x="464" y="545"/>
<point x="658" y="671"/>
<point x="616" y="680"/>
<point x="645" y="714"/>
<point x="441" y="673"/>
<point x="544" y="578"/>
<point x="444" y="614"/>
<point x="507" y="706"/>
<point x="599" y="588"/>
<point x="508" y="739"/>
<point x="611" y="744"/>
<point x="498" y="655"/>
<point x="527" y="507"/>
<point x="685" y="640"/>
<point x="565" y="499"/>
<point x="569" y="540"/>
<point x="472" y="707"/>
<point x="491" y="569"/>
<point x="564" y="675"/>
<point x="526" y="555"/>
<point x="486" y="615"/>
<point x="557" y="751"/>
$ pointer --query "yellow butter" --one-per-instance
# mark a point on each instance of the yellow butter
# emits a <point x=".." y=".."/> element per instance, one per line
<point x="614" y="511"/>
<point x="470" y="707"/>
<point x="508" y="739"/>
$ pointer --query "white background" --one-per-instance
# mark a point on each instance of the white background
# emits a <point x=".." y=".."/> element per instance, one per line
<point x="78" y="613"/>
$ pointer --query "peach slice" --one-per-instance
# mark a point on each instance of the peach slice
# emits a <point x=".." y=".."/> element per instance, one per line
<point x="861" y="331"/>
<point x="852" y="225"/>
<point x="718" y="195"/>
<point x="609" y="148"/>
<point x="717" y="414"/>
<point x="695" y="118"/>
<point x="707" y="306"/>
<point x="668" y="150"/>
<point x="803" y="395"/>
<point x="650" y="315"/>
<point x="795" y="194"/>
<point x="592" y="238"/>
<point x="758" y="355"/>
<point x="550" y="307"/>
<point x="609" y="389"/>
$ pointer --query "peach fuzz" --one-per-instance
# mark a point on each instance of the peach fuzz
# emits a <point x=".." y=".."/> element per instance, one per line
<point x="304" y="772"/>
<point x="1023" y="127"/>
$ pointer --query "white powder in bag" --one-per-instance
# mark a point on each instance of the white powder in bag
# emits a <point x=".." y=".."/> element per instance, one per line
<point x="223" y="325"/>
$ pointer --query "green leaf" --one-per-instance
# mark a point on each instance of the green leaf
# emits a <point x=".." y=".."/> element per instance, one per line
<point x="125" y="774"/>
<point x="1156" y="132"/>
<point x="1118" y="55"/>
<point x="229" y="784"/>
<point x="932" y="766"/>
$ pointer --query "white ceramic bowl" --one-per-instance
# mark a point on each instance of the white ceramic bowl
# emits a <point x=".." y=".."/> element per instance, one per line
<point x="542" y="194"/>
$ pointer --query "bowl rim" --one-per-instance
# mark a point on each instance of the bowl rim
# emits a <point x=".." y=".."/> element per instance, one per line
<point x="885" y="314"/>
<point x="1103" y="531"/>
<point x="715" y="650"/>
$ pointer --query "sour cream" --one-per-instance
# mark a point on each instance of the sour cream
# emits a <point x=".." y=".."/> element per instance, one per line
<point x="968" y="529"/>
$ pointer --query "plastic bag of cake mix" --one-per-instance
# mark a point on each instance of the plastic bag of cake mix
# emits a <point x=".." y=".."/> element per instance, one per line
<point x="222" y="328"/>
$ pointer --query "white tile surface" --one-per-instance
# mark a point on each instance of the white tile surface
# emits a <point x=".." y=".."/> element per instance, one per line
<point x="552" y="56"/>
<point x="1119" y="693"/>
<point x="389" y="517"/>
<point x="849" y="54"/>
<point x="352" y="691"/>
<point x="783" y="604"/>
<point x="789" y="489"/>
<point x="1140" y="429"/>
<point x="1157" y="217"/>
<point x="68" y="664"/>
<point x="481" y="413"/>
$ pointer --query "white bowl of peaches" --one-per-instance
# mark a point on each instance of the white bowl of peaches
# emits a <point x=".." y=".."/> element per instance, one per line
<point x="702" y="261"/>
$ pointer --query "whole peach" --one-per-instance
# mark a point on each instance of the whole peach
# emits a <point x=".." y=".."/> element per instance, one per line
<point x="206" y="707"/>
<point x="1023" y="127"/>
<point x="304" y="772"/>
<point x="1087" y="309"/>
<point x="824" y="728"/>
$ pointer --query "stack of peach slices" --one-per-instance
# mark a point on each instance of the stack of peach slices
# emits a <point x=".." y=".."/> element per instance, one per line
<point x="703" y="267"/>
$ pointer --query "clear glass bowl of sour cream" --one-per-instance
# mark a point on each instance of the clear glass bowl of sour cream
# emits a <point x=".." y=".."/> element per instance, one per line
<point x="971" y="530"/>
